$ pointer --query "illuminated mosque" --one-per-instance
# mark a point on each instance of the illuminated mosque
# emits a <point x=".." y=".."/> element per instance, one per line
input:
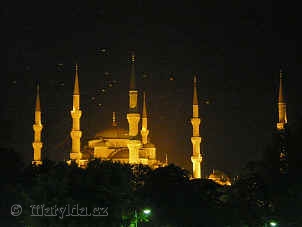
<point x="133" y="146"/>
<point x="220" y="178"/>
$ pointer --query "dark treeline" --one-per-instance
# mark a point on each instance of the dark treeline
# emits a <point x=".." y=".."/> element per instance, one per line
<point x="260" y="195"/>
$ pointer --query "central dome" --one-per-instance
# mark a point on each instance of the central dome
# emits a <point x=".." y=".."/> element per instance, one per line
<point x="114" y="132"/>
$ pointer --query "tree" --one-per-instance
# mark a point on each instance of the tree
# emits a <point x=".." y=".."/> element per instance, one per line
<point x="163" y="193"/>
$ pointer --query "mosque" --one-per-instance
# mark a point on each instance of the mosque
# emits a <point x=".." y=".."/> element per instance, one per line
<point x="132" y="145"/>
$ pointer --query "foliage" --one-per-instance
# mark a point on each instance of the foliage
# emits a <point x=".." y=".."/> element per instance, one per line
<point x="126" y="190"/>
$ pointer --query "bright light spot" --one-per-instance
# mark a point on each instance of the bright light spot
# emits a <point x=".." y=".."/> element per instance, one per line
<point x="272" y="223"/>
<point x="101" y="51"/>
<point x="147" y="211"/>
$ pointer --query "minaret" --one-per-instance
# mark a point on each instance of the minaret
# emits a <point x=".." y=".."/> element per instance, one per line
<point x="76" y="113"/>
<point x="144" y="130"/>
<point x="166" y="160"/>
<point x="282" y="127"/>
<point x="37" y="127"/>
<point x="133" y="117"/>
<point x="282" y="118"/>
<point x="196" y="157"/>
<point x="114" y="124"/>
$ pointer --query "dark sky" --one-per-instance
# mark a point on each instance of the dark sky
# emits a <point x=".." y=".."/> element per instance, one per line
<point x="236" y="49"/>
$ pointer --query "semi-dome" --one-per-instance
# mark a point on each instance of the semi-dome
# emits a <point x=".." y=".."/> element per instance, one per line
<point x="113" y="132"/>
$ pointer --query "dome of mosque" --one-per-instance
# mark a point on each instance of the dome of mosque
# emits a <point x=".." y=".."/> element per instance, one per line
<point x="113" y="132"/>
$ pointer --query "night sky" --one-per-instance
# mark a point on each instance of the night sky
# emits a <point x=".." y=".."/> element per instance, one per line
<point x="235" y="48"/>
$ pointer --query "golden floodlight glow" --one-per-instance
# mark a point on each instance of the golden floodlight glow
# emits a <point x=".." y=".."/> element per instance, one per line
<point x="116" y="144"/>
<point x="37" y="127"/>
<point x="282" y="116"/>
<point x="220" y="178"/>
<point x="144" y="130"/>
<point x="196" y="157"/>
<point x="76" y="114"/>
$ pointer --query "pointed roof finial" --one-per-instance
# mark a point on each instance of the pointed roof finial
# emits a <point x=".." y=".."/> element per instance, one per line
<point x="280" y="97"/>
<point x="38" y="105"/>
<point x="144" y="106"/>
<point x="113" y="119"/>
<point x="195" y="99"/>
<point x="132" y="73"/>
<point x="76" y="90"/>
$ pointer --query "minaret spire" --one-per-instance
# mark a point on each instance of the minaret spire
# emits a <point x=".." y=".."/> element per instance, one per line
<point x="37" y="127"/>
<point x="144" y="130"/>
<point x="282" y="116"/>
<point x="38" y="104"/>
<point x="132" y="73"/>
<point x="133" y="117"/>
<point x="114" y="124"/>
<point x="195" y="98"/>
<point x="196" y="157"/>
<point x="144" y="114"/>
<point x="282" y="126"/>
<point x="280" y="96"/>
<point x="76" y="114"/>
<point x="76" y="90"/>
<point x="133" y="93"/>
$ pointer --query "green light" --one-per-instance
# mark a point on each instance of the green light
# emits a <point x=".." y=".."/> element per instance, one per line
<point x="147" y="211"/>
<point x="272" y="223"/>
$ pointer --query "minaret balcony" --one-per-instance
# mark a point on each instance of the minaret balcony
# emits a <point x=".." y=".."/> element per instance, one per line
<point x="196" y="140"/>
<point x="76" y="134"/>
<point x="37" y="145"/>
<point x="37" y="127"/>
<point x="132" y="99"/>
<point x="133" y="146"/>
<point x="36" y="162"/>
<point x="195" y="121"/>
<point x="133" y="120"/>
<point x="75" y="156"/>
<point x="196" y="159"/>
<point x="280" y="126"/>
<point x="144" y="132"/>
<point x="76" y="114"/>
